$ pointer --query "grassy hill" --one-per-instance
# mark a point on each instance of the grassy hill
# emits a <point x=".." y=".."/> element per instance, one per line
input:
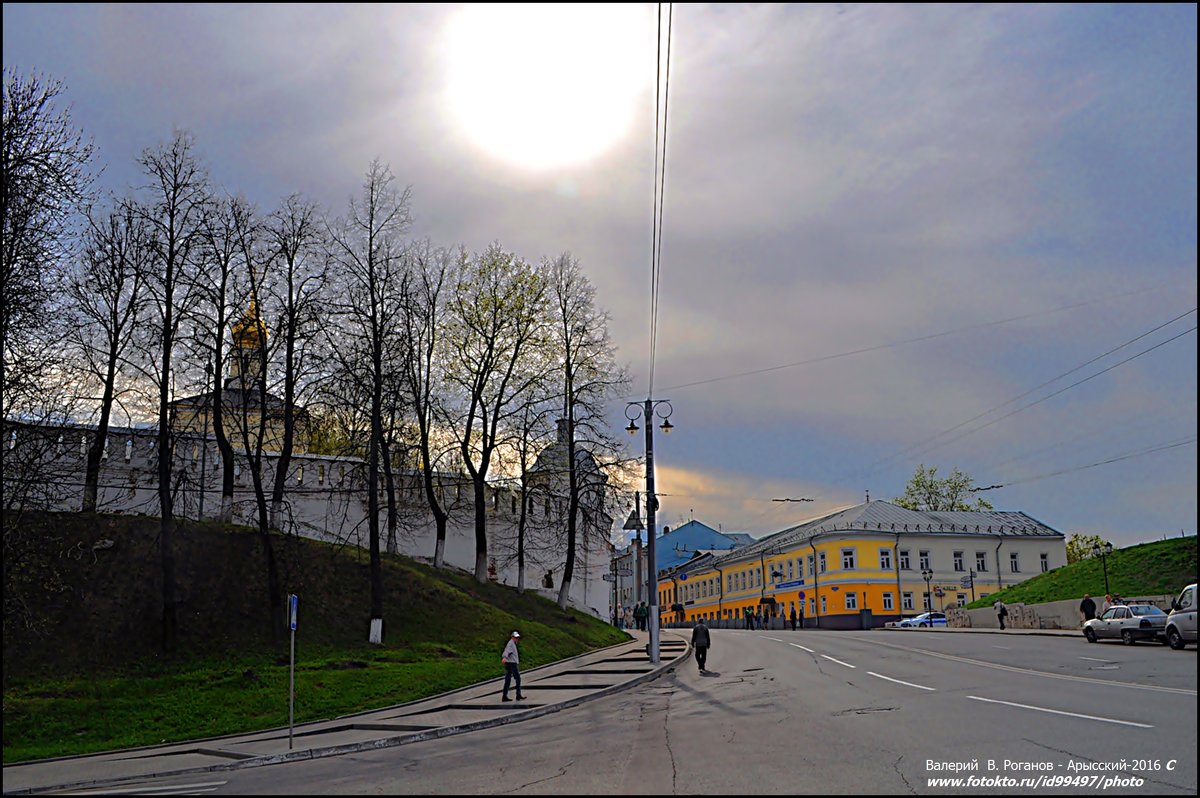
<point x="83" y="671"/>
<point x="1149" y="569"/>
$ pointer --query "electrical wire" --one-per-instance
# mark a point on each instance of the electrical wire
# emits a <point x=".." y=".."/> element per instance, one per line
<point x="660" y="178"/>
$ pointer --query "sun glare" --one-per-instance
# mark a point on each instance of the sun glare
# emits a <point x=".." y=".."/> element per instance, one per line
<point x="545" y="86"/>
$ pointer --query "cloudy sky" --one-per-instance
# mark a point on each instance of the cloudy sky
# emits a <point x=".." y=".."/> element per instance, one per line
<point x="927" y="214"/>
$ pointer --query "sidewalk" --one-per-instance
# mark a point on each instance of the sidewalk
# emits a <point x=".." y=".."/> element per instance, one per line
<point x="549" y="688"/>
<point x="995" y="631"/>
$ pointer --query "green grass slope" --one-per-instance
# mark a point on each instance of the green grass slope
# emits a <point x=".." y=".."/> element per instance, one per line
<point x="1148" y="569"/>
<point x="83" y="671"/>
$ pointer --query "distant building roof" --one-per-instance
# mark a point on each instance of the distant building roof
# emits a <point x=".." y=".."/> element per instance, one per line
<point x="880" y="516"/>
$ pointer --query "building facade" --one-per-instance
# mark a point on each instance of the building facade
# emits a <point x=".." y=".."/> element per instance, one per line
<point x="864" y="566"/>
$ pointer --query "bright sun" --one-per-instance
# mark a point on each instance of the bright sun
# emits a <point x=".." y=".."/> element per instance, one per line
<point x="545" y="86"/>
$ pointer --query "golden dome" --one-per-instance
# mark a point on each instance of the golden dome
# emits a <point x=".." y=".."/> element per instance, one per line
<point x="250" y="332"/>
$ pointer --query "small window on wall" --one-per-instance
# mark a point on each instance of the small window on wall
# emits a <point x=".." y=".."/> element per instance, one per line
<point x="821" y="563"/>
<point x="1014" y="562"/>
<point x="887" y="601"/>
<point x="962" y="599"/>
<point x="851" y="601"/>
<point x="958" y="561"/>
<point x="904" y="564"/>
<point x="824" y="608"/>
<point x="924" y="560"/>
<point x="1045" y="562"/>
<point x="885" y="559"/>
<point x="981" y="561"/>
<point x="847" y="559"/>
<point x="907" y="599"/>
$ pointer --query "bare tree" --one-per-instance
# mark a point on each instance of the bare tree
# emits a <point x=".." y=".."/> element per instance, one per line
<point x="367" y="245"/>
<point x="45" y="175"/>
<point x="422" y="308"/>
<point x="589" y="380"/>
<point x="108" y="298"/>
<point x="296" y="234"/>
<point x="177" y="199"/>
<point x="496" y="319"/>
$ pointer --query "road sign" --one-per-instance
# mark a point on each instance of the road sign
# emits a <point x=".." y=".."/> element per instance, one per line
<point x="966" y="581"/>
<point x="609" y="578"/>
<point x="625" y="571"/>
<point x="800" y="595"/>
<point x="682" y="577"/>
<point x="293" y="606"/>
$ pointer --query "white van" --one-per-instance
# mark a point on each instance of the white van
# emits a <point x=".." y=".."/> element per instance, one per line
<point x="1181" y="623"/>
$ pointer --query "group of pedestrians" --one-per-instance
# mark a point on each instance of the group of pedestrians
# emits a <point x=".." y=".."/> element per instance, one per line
<point x="633" y="617"/>
<point x="1087" y="607"/>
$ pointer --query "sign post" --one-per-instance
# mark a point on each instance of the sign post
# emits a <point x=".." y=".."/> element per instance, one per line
<point x="293" y="606"/>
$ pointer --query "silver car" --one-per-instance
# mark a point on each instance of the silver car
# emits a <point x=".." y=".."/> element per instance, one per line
<point x="1130" y="623"/>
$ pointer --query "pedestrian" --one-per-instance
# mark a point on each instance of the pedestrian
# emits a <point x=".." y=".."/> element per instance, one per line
<point x="801" y="616"/>
<point x="1117" y="599"/>
<point x="628" y="617"/>
<point x="758" y="619"/>
<point x="749" y="617"/>
<point x="640" y="615"/>
<point x="1001" y="612"/>
<point x="1108" y="602"/>
<point x="793" y="618"/>
<point x="700" y="642"/>
<point x="512" y="669"/>
<point x="1087" y="607"/>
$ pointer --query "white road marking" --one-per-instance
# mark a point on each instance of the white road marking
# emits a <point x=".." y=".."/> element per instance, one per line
<point x="1030" y="672"/>
<point x="1061" y="712"/>
<point x="1093" y="659"/>
<point x="797" y="645"/>
<point x="838" y="661"/>
<point x="1006" y="648"/>
<point x="897" y="681"/>
<point x="776" y="639"/>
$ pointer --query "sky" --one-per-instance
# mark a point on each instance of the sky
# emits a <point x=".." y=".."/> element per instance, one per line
<point x="888" y="231"/>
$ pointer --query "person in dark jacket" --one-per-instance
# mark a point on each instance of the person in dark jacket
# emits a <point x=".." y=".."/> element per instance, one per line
<point x="1087" y="607"/>
<point x="700" y="642"/>
<point x="793" y="618"/>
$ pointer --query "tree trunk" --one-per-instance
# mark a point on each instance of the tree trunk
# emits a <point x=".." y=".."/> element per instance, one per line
<point x="91" y="482"/>
<point x="480" y="486"/>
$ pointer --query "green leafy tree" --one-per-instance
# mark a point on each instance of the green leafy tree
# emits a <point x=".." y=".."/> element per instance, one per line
<point x="926" y="492"/>
<point x="1079" y="546"/>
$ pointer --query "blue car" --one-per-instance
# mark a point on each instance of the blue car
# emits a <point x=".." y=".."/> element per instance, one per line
<point x="925" y="619"/>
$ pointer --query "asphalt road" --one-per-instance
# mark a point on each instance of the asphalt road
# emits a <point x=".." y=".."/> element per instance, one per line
<point x="818" y="712"/>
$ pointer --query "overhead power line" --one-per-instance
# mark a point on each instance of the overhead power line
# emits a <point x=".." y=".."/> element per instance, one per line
<point x="660" y="181"/>
<point x="1160" y="448"/>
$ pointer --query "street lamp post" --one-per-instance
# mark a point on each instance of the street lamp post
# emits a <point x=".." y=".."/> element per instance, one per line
<point x="927" y="575"/>
<point x="1102" y="552"/>
<point x="648" y="410"/>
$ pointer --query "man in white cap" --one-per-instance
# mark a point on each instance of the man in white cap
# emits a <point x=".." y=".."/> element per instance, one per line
<point x="511" y="660"/>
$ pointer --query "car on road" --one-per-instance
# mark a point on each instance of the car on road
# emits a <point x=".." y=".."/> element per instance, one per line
<point x="925" y="619"/>
<point x="1181" y="621"/>
<point x="1128" y="623"/>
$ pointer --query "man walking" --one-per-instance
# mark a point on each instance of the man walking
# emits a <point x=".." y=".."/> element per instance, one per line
<point x="1087" y="607"/>
<point x="793" y="618"/>
<point x="1001" y="612"/>
<point x="512" y="670"/>
<point x="700" y="642"/>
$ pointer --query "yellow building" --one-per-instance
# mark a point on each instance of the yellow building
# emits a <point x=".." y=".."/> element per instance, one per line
<point x="863" y="566"/>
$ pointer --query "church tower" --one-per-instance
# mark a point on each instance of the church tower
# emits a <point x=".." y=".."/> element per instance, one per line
<point x="249" y="340"/>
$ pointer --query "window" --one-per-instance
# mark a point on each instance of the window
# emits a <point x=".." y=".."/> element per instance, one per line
<point x="1014" y="562"/>
<point x="885" y="559"/>
<point x="812" y="606"/>
<point x="981" y="561"/>
<point x="847" y="559"/>
<point x="1045" y="562"/>
<point x="962" y="599"/>
<point x="906" y="600"/>
<point x="791" y="571"/>
<point x="851" y="601"/>
<point x="821" y="563"/>
<point x="824" y="608"/>
<point x="810" y="565"/>
<point x="887" y="601"/>
<point x="958" y="561"/>
<point x="924" y="555"/>
<point x="928" y="601"/>
<point x="904" y="566"/>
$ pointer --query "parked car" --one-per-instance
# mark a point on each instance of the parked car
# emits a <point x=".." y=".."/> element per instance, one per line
<point x="925" y="619"/>
<point x="1129" y="623"/>
<point x="1181" y="621"/>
